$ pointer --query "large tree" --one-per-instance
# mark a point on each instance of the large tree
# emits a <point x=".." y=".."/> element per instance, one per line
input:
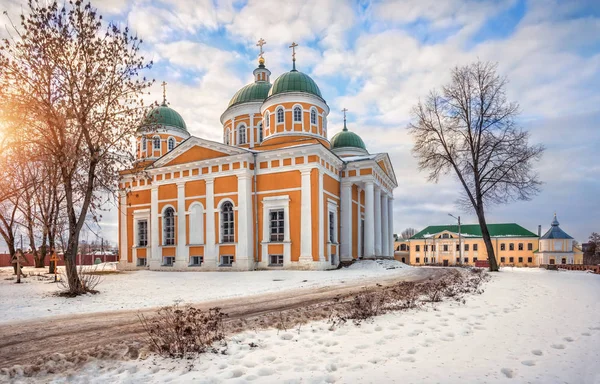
<point x="470" y="129"/>
<point x="75" y="80"/>
<point x="408" y="233"/>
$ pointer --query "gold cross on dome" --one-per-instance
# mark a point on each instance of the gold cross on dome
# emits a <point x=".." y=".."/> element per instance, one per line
<point x="260" y="44"/>
<point x="293" y="46"/>
<point x="164" y="85"/>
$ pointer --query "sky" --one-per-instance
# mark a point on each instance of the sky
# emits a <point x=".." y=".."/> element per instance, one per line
<point x="377" y="58"/>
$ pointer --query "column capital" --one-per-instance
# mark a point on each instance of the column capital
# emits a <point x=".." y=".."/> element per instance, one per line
<point x="209" y="180"/>
<point x="347" y="184"/>
<point x="305" y="171"/>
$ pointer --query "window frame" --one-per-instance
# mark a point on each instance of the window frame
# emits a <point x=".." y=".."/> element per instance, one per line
<point x="267" y="119"/>
<point x="168" y="227"/>
<point x="192" y="264"/>
<point x="196" y="223"/>
<point x="511" y="259"/>
<point x="418" y="248"/>
<point x="520" y="247"/>
<point x="229" y="257"/>
<point x="297" y="109"/>
<point x="503" y="259"/>
<point x="261" y="133"/>
<point x="170" y="144"/>
<point x="530" y="246"/>
<point x="277" y="264"/>
<point x="511" y="246"/>
<point x="502" y="247"/>
<point x="227" y="222"/>
<point x="142" y="236"/>
<point x="277" y="224"/>
<point x="313" y="116"/>
<point x="279" y="112"/>
<point x="141" y="262"/>
<point x="156" y="143"/>
<point x="144" y="144"/>
<point x="170" y="259"/>
<point x="241" y="133"/>
<point x="475" y="247"/>
<point x="466" y="247"/>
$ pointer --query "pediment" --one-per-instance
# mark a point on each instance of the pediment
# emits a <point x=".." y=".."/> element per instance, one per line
<point x="197" y="149"/>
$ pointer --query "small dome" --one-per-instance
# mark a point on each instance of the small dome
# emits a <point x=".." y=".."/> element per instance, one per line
<point x="163" y="115"/>
<point x="347" y="139"/>
<point x="252" y="92"/>
<point x="295" y="81"/>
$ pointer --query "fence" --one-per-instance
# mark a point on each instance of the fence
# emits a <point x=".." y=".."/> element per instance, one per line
<point x="81" y="259"/>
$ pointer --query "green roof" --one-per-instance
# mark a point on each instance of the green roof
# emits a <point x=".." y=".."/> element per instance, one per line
<point x="347" y="139"/>
<point x="295" y="81"/>
<point x="474" y="230"/>
<point x="252" y="92"/>
<point x="163" y="115"/>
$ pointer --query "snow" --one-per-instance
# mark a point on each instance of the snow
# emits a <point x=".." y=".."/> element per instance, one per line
<point x="34" y="298"/>
<point x="529" y="325"/>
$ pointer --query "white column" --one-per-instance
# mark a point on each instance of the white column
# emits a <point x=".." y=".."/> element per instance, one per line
<point x="251" y="135"/>
<point x="391" y="224"/>
<point x="305" y="218"/>
<point x="155" y="250"/>
<point x="182" y="258"/>
<point x="385" y="242"/>
<point x="346" y="221"/>
<point x="321" y="220"/>
<point x="245" y="248"/>
<point x="210" y="253"/>
<point x="123" y="249"/>
<point x="369" y="220"/>
<point x="377" y="206"/>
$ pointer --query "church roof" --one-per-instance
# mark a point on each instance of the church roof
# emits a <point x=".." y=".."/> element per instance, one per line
<point x="345" y="139"/>
<point x="257" y="91"/>
<point x="474" y="230"/>
<point x="555" y="232"/>
<point x="164" y="115"/>
<point x="295" y="81"/>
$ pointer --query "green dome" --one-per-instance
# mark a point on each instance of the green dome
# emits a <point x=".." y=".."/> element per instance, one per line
<point x="347" y="139"/>
<point x="163" y="115"/>
<point x="295" y="81"/>
<point x="252" y="92"/>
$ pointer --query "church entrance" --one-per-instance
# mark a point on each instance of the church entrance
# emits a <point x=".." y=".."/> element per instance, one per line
<point x="552" y="261"/>
<point x="445" y="263"/>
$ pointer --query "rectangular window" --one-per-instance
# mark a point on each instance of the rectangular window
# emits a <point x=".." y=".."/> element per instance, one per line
<point x="530" y="259"/>
<point x="475" y="247"/>
<point x="474" y="259"/>
<point x="168" y="261"/>
<point x="502" y="259"/>
<point x="458" y="260"/>
<point x="466" y="259"/>
<point x="467" y="247"/>
<point x="226" y="261"/>
<point x="433" y="248"/>
<point x="530" y="247"/>
<point x="331" y="227"/>
<point x="511" y="259"/>
<point x="511" y="247"/>
<point x="141" y="262"/>
<point x="142" y="233"/>
<point x="277" y="225"/>
<point x="426" y="260"/>
<point x="417" y="248"/>
<point x="520" y="259"/>
<point x="520" y="246"/>
<point x="503" y="247"/>
<point x="418" y="260"/>
<point x="196" y="260"/>
<point x="426" y="248"/>
<point x="445" y="248"/>
<point x="275" y="260"/>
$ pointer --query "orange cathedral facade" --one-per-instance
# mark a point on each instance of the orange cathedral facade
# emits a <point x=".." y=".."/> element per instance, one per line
<point x="276" y="193"/>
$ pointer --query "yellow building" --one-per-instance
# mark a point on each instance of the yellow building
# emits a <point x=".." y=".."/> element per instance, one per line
<point x="439" y="245"/>
<point x="276" y="193"/>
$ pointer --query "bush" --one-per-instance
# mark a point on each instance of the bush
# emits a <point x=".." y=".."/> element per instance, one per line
<point x="89" y="281"/>
<point x="182" y="332"/>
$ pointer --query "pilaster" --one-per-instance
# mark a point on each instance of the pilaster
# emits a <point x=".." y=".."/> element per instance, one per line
<point x="369" y="230"/>
<point x="306" y="217"/>
<point x="385" y="242"/>
<point x="210" y="253"/>
<point x="155" y="250"/>
<point x="346" y="222"/>
<point x="182" y="257"/>
<point x="377" y="206"/>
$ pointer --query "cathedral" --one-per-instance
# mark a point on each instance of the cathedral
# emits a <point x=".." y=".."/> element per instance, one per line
<point x="276" y="193"/>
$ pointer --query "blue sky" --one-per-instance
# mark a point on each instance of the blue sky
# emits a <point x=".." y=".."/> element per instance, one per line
<point x="377" y="58"/>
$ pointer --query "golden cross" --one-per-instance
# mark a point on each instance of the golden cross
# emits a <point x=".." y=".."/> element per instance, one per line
<point x="293" y="46"/>
<point x="260" y="44"/>
<point x="164" y="85"/>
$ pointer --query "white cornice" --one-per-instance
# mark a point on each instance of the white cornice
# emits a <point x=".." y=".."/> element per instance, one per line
<point x="248" y="108"/>
<point x="294" y="97"/>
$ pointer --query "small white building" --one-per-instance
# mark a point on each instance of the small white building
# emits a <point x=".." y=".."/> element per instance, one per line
<point x="556" y="247"/>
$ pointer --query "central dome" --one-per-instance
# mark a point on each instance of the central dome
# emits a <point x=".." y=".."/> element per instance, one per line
<point x="295" y="81"/>
<point x="347" y="139"/>
<point x="252" y="92"/>
<point x="163" y="115"/>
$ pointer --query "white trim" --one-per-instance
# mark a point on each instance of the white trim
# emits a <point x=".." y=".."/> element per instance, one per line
<point x="272" y="203"/>
<point x="196" y="224"/>
<point x="306" y="217"/>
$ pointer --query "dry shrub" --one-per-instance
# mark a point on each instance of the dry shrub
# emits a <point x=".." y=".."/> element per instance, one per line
<point x="404" y="295"/>
<point x="89" y="281"/>
<point x="182" y="332"/>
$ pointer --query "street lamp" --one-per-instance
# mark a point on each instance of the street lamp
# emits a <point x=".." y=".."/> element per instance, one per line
<point x="460" y="258"/>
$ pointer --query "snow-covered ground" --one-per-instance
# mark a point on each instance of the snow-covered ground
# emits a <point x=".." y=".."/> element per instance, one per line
<point x="35" y="298"/>
<point x="529" y="326"/>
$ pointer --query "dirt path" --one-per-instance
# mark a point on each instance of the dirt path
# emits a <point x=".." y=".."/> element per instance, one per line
<point x="25" y="342"/>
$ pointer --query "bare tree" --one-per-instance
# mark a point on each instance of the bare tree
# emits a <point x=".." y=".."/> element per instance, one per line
<point x="408" y="233"/>
<point x="470" y="129"/>
<point x="76" y="81"/>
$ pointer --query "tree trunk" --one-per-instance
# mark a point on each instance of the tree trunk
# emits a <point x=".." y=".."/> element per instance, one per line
<point x="487" y="240"/>
<point x="70" y="256"/>
<point x="40" y="261"/>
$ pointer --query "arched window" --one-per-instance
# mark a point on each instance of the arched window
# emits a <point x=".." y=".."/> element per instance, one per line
<point x="227" y="223"/>
<point x="267" y="118"/>
<point x="313" y="117"/>
<point x="226" y="138"/>
<point x="260" y="132"/>
<point x="242" y="134"/>
<point x="169" y="226"/>
<point x="156" y="142"/>
<point x="171" y="143"/>
<point x="279" y="115"/>
<point x="297" y="114"/>
<point x="196" y="224"/>
<point x="144" y="143"/>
